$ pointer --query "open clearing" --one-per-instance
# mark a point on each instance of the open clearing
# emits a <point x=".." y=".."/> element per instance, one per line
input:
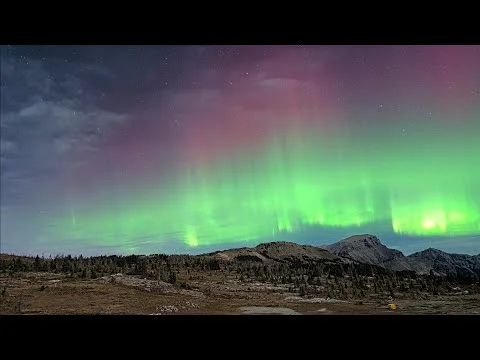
<point x="50" y="293"/>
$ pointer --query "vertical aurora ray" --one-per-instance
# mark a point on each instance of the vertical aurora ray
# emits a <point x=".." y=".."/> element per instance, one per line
<point x="296" y="182"/>
<point x="304" y="160"/>
<point x="436" y="214"/>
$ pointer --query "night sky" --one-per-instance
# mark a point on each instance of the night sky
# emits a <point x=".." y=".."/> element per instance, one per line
<point x="190" y="149"/>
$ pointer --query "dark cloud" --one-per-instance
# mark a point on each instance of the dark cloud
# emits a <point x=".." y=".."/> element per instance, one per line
<point x="45" y="116"/>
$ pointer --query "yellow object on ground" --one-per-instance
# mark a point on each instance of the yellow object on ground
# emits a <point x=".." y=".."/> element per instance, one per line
<point x="392" y="306"/>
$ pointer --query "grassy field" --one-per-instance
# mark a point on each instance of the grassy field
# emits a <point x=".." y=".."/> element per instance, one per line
<point x="54" y="293"/>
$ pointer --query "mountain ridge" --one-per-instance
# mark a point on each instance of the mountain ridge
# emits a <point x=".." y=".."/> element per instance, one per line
<point x="365" y="249"/>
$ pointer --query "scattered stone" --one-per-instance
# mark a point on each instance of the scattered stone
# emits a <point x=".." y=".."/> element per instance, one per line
<point x="268" y="310"/>
<point x="167" y="309"/>
<point x="313" y="300"/>
<point x="170" y="309"/>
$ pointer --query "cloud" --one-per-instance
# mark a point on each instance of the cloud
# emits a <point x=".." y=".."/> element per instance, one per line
<point x="22" y="82"/>
<point x="7" y="147"/>
<point x="99" y="70"/>
<point x="44" y="122"/>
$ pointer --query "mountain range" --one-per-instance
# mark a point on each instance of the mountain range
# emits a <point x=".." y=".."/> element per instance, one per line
<point x="366" y="249"/>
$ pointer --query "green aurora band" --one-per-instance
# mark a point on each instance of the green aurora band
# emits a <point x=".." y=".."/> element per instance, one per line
<point x="423" y="184"/>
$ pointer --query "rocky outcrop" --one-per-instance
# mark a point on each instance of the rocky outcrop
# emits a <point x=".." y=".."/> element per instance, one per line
<point x="443" y="263"/>
<point x="368" y="249"/>
<point x="276" y="251"/>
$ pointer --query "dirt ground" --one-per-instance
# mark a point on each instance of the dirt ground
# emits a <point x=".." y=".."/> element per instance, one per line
<point x="49" y="293"/>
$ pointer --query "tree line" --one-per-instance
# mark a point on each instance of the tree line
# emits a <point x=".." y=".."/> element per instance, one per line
<point x="330" y="278"/>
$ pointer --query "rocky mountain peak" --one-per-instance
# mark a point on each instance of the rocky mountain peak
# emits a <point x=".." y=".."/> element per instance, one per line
<point x="365" y="248"/>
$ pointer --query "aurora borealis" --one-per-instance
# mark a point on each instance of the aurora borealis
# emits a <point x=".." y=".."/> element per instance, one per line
<point x="150" y="149"/>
